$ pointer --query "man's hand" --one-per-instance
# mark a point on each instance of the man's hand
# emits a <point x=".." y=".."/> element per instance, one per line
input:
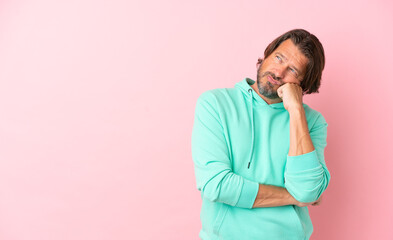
<point x="291" y="95"/>
<point x="316" y="203"/>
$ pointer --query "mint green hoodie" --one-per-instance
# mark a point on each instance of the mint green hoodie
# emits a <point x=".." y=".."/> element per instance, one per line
<point x="239" y="141"/>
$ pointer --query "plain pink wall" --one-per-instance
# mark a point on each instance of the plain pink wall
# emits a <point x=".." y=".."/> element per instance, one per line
<point x="97" y="102"/>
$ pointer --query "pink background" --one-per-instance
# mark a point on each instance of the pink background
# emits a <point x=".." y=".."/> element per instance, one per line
<point x="97" y="102"/>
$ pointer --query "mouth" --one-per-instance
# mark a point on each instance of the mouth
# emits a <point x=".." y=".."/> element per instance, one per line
<point x="271" y="80"/>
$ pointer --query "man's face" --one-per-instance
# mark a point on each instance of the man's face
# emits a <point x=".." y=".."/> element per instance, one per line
<point x="285" y="65"/>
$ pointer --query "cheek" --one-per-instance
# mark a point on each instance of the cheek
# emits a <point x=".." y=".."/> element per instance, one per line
<point x="267" y="64"/>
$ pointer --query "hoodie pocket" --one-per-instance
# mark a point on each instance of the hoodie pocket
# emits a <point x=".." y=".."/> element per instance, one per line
<point x="296" y="220"/>
<point x="220" y="218"/>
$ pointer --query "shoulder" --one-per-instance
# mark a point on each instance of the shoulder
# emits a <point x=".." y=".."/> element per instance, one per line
<point x="219" y="96"/>
<point x="314" y="117"/>
<point x="219" y="93"/>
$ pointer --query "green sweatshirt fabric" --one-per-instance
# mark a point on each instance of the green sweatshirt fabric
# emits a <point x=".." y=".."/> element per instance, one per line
<point x="239" y="141"/>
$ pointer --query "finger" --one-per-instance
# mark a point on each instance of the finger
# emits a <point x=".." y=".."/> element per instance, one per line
<point x="318" y="202"/>
<point x="279" y="91"/>
<point x="297" y="84"/>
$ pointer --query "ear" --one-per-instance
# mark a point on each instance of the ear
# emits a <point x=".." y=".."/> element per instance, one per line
<point x="259" y="62"/>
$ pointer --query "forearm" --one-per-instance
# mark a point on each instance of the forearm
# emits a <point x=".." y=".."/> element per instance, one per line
<point x="306" y="177"/>
<point x="300" y="140"/>
<point x="273" y="196"/>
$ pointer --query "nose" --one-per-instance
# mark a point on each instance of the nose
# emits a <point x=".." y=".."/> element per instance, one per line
<point x="279" y="71"/>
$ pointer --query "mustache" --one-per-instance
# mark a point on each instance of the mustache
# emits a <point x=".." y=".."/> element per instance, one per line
<point x="272" y="75"/>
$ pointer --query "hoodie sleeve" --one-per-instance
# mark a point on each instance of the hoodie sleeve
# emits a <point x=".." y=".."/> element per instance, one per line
<point x="306" y="176"/>
<point x="210" y="153"/>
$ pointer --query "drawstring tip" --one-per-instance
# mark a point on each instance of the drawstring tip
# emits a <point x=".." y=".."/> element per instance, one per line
<point x="248" y="164"/>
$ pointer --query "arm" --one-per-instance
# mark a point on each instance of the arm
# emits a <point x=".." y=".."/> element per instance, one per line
<point x="306" y="174"/>
<point x="214" y="176"/>
<point x="273" y="196"/>
<point x="300" y="140"/>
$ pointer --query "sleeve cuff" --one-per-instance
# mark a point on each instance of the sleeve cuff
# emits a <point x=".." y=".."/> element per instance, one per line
<point x="302" y="162"/>
<point x="248" y="194"/>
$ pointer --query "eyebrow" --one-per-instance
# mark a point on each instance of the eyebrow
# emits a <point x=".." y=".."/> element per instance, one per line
<point x="281" y="55"/>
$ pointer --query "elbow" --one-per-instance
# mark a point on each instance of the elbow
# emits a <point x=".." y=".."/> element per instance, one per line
<point x="211" y="188"/>
<point x="307" y="190"/>
<point x="306" y="197"/>
<point x="225" y="187"/>
<point x="210" y="192"/>
<point x="306" y="193"/>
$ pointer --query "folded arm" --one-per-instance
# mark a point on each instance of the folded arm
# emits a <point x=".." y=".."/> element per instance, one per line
<point x="214" y="176"/>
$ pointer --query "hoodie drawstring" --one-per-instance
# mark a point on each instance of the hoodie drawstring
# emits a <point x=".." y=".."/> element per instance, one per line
<point x="252" y="127"/>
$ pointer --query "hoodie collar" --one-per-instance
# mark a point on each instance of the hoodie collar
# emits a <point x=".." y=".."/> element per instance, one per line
<point x="256" y="100"/>
<point x="245" y="85"/>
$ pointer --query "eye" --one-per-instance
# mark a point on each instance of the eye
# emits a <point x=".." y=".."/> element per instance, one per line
<point x="293" y="71"/>
<point x="278" y="58"/>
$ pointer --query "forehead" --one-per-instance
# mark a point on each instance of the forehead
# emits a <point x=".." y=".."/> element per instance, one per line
<point x="292" y="54"/>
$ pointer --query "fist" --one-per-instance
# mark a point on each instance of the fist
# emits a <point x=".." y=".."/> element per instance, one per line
<point x="291" y="95"/>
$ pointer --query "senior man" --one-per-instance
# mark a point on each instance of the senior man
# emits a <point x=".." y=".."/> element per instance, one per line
<point x="258" y="150"/>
